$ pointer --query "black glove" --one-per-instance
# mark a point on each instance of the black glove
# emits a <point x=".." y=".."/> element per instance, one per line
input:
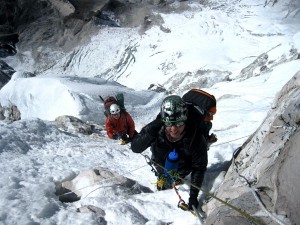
<point x="115" y="136"/>
<point x="154" y="127"/>
<point x="193" y="202"/>
<point x="124" y="137"/>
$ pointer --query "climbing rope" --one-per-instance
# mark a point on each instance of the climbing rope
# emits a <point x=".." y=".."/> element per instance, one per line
<point x="181" y="203"/>
<point x="240" y="211"/>
<point x="254" y="192"/>
<point x="149" y="162"/>
<point x="229" y="141"/>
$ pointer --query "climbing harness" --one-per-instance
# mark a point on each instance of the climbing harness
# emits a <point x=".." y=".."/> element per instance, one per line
<point x="150" y="163"/>
<point x="123" y="142"/>
<point x="172" y="179"/>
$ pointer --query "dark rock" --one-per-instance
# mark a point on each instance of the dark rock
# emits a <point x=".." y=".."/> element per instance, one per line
<point x="157" y="88"/>
<point x="6" y="73"/>
<point x="7" y="50"/>
<point x="75" y="125"/>
<point x="11" y="113"/>
<point x="106" y="19"/>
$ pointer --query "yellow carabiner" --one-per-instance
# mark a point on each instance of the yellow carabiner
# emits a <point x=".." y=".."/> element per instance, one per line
<point x="183" y="205"/>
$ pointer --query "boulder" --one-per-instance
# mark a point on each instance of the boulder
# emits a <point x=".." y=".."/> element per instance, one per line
<point x="6" y="73"/>
<point x="74" y="125"/>
<point x="98" y="182"/>
<point x="11" y="113"/>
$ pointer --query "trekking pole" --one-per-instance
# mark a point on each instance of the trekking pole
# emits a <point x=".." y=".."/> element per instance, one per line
<point x="101" y="98"/>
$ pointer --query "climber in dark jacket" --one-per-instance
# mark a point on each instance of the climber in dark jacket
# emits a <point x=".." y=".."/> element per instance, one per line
<point x="172" y="129"/>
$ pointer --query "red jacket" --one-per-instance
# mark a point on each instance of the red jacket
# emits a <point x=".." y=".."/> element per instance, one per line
<point x="124" y="125"/>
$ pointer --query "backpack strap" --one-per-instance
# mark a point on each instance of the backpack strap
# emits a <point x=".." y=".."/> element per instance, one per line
<point x="205" y="93"/>
<point x="124" y="116"/>
<point x="113" y="123"/>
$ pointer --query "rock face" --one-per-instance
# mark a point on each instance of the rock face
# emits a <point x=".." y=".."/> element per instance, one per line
<point x="11" y="113"/>
<point x="73" y="124"/>
<point x="48" y="29"/>
<point x="264" y="179"/>
<point x="6" y="73"/>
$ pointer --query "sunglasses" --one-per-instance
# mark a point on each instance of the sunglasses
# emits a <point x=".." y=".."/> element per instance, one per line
<point x="177" y="124"/>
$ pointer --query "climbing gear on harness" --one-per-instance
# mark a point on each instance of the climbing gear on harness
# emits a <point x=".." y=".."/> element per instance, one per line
<point x="173" y="179"/>
<point x="123" y="142"/>
<point x="181" y="204"/>
<point x="167" y="180"/>
<point x="162" y="183"/>
<point x="149" y="162"/>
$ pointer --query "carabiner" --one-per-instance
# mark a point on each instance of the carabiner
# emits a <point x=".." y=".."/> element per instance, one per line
<point x="182" y="205"/>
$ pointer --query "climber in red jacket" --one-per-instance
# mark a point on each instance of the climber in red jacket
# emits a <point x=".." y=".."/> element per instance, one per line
<point x="119" y="125"/>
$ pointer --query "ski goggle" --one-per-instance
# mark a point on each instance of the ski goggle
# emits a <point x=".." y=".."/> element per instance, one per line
<point x="177" y="124"/>
<point x="115" y="112"/>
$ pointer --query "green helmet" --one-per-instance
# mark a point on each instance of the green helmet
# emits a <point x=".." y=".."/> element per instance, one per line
<point x="173" y="109"/>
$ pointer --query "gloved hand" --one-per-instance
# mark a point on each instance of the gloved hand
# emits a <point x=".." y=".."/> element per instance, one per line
<point x="124" y="137"/>
<point x="115" y="136"/>
<point x="212" y="138"/>
<point x="154" y="127"/>
<point x="193" y="202"/>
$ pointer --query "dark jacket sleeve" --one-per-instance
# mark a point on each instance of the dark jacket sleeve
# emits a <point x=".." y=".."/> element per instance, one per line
<point x="130" y="124"/>
<point x="199" y="164"/>
<point x="148" y="134"/>
<point x="109" y="128"/>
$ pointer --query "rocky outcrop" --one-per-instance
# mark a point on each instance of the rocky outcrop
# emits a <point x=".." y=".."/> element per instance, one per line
<point x="6" y="73"/>
<point x="98" y="176"/>
<point x="11" y="113"/>
<point x="47" y="30"/>
<point x="9" y="11"/>
<point x="64" y="7"/>
<point x="74" y="125"/>
<point x="263" y="179"/>
<point x="263" y="63"/>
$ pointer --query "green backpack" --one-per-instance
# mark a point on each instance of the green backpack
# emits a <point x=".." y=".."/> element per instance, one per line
<point x="108" y="100"/>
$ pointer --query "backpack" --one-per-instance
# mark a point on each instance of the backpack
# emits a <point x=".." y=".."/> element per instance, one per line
<point x="202" y="106"/>
<point x="204" y="103"/>
<point x="109" y="100"/>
